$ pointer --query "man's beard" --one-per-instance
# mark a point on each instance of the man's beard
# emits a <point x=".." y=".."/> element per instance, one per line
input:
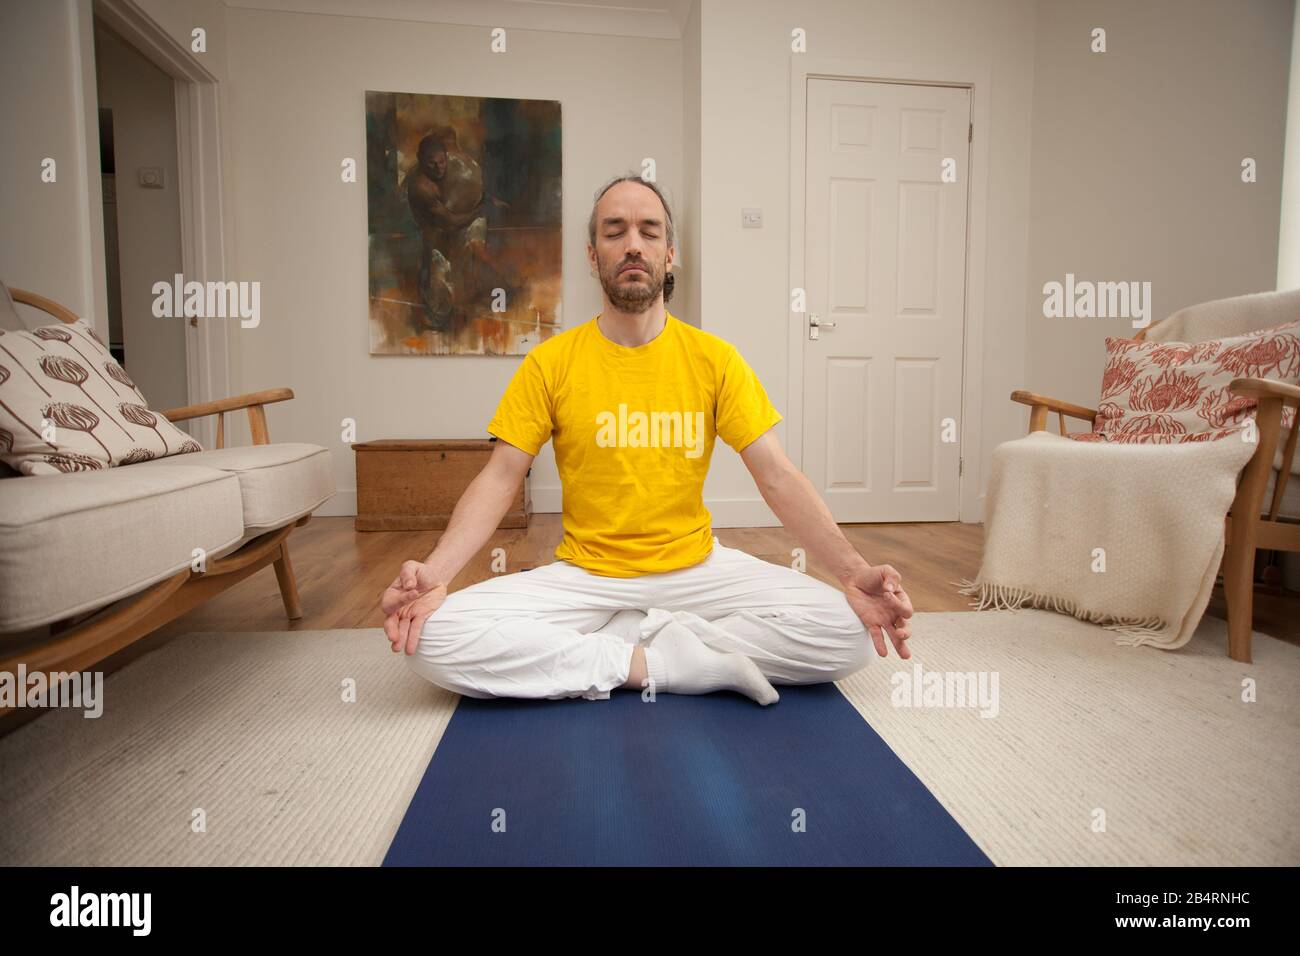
<point x="634" y="296"/>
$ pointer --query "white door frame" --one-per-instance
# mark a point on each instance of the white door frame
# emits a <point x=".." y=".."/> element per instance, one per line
<point x="198" y="155"/>
<point x="976" y="76"/>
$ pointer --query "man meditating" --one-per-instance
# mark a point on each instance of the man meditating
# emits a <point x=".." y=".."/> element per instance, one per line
<point x="641" y="594"/>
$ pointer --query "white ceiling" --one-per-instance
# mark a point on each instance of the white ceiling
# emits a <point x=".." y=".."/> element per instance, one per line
<point x="663" y="19"/>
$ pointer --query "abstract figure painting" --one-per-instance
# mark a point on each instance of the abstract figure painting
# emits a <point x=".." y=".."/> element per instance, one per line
<point x="464" y="211"/>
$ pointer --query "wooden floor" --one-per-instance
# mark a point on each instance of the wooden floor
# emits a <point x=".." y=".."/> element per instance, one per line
<point x="342" y="573"/>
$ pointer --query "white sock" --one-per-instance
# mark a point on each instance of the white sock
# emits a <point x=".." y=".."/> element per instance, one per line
<point x="678" y="662"/>
<point x="625" y="624"/>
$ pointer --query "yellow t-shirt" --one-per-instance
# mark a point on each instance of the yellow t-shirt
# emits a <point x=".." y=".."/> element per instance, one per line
<point x="633" y="430"/>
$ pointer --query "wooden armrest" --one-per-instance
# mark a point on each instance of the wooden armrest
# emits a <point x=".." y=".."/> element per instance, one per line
<point x="45" y="305"/>
<point x="1040" y="405"/>
<point x="1258" y="388"/>
<point x="253" y="401"/>
<point x="1054" y="405"/>
<point x="229" y="404"/>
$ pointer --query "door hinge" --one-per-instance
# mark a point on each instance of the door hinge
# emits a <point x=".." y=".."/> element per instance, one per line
<point x="970" y="133"/>
<point x="961" y="466"/>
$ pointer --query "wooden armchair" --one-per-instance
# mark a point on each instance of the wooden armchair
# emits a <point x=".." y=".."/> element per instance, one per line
<point x="1250" y="524"/>
<point x="80" y="642"/>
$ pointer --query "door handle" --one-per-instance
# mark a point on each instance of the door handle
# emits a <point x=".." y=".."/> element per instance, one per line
<point x="815" y="324"/>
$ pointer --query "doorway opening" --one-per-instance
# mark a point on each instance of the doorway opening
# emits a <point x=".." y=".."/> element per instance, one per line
<point x="142" y="217"/>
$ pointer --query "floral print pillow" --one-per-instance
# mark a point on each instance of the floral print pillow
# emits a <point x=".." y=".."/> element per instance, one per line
<point x="1169" y="392"/>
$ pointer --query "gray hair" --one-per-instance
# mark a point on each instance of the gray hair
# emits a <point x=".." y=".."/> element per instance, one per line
<point x="591" y="223"/>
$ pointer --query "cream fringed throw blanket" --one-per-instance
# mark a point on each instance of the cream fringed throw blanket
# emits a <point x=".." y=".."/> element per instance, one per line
<point x="1059" y="511"/>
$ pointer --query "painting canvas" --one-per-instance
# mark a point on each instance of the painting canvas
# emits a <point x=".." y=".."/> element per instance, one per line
<point x="464" y="211"/>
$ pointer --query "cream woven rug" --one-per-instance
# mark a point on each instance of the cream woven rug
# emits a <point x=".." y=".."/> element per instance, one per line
<point x="253" y="730"/>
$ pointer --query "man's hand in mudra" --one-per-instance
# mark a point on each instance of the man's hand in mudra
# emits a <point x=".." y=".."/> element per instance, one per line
<point x="409" y="601"/>
<point x="877" y="597"/>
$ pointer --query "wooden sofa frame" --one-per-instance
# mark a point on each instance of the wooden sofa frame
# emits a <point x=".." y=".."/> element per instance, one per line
<point x="1248" y="525"/>
<point x="83" y="640"/>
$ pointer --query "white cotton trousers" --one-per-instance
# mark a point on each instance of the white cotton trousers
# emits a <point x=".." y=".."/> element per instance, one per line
<point x="560" y="631"/>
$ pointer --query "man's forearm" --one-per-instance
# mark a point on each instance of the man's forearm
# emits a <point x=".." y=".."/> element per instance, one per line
<point x="477" y="514"/>
<point x="803" y="513"/>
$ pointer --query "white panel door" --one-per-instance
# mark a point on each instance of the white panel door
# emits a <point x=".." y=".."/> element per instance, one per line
<point x="885" y="262"/>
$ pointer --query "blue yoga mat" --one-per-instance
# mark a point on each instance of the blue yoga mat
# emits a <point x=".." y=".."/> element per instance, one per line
<point x="709" y="780"/>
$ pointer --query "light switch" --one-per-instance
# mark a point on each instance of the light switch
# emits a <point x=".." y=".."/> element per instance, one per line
<point x="151" y="177"/>
<point x="751" y="218"/>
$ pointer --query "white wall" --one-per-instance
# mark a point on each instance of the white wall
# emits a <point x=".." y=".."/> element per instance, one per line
<point x="1134" y="158"/>
<point x="52" y="239"/>
<point x="686" y="295"/>
<point x="179" y="18"/>
<point x="1134" y="172"/>
<point x="745" y="162"/>
<point x="148" y="220"/>
<point x="1137" y="164"/>
<point x="296" y="109"/>
<point x="1288" y="253"/>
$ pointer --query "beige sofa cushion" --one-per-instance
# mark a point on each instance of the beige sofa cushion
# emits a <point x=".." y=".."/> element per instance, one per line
<point x="74" y="542"/>
<point x="277" y="482"/>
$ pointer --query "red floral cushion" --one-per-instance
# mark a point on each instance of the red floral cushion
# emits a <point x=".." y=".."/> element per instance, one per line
<point x="1167" y="392"/>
